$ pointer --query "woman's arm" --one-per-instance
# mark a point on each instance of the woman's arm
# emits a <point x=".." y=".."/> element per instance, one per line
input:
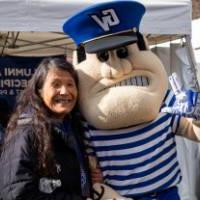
<point x="96" y="173"/>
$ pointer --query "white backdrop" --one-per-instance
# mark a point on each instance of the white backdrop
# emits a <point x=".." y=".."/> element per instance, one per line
<point x="175" y="59"/>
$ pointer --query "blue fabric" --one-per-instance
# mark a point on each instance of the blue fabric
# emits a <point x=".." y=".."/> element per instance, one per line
<point x="170" y="194"/>
<point x="83" y="27"/>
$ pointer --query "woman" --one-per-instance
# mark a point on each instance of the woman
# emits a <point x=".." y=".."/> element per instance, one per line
<point x="43" y="154"/>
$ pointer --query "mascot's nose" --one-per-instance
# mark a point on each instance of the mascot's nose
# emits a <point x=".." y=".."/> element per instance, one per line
<point x="115" y="67"/>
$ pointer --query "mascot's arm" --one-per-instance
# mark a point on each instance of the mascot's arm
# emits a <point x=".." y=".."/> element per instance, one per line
<point x="189" y="128"/>
<point x="101" y="191"/>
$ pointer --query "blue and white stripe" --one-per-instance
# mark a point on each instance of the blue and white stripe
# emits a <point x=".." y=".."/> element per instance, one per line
<point x="139" y="159"/>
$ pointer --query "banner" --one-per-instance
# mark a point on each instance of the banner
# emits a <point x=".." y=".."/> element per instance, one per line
<point x="14" y="75"/>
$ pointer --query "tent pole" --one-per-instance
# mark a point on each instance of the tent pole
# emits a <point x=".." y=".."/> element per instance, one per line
<point x="4" y="45"/>
<point x="14" y="40"/>
<point x="191" y="58"/>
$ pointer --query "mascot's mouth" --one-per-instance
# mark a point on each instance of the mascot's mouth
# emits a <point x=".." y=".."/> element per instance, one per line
<point x="141" y="81"/>
<point x="137" y="81"/>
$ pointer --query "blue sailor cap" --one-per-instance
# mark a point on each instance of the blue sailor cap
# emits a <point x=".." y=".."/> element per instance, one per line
<point x="106" y="25"/>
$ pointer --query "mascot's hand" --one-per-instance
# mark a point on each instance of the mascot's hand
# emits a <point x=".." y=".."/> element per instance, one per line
<point x="104" y="192"/>
<point x="187" y="102"/>
<point x="100" y="190"/>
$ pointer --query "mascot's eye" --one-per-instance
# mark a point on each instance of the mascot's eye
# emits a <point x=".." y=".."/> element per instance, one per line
<point x="103" y="56"/>
<point x="122" y="52"/>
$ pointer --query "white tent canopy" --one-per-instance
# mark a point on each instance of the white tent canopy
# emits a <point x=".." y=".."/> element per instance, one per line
<point x="49" y="15"/>
<point x="21" y="20"/>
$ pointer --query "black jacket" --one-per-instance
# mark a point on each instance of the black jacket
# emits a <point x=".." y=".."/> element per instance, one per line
<point x="1" y="134"/>
<point x="1" y="137"/>
<point x="19" y="179"/>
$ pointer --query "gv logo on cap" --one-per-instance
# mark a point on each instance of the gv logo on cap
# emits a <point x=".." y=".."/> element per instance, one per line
<point x="108" y="19"/>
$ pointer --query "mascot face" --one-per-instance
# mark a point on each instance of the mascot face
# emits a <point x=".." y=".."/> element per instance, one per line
<point x="121" y="87"/>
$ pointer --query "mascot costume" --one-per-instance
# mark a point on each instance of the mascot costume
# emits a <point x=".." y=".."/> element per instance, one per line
<point x="130" y="117"/>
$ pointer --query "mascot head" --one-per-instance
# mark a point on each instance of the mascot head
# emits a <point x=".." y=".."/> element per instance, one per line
<point x="122" y="83"/>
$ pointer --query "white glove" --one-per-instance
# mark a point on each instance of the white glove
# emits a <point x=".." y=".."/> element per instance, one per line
<point x="187" y="103"/>
<point x="104" y="192"/>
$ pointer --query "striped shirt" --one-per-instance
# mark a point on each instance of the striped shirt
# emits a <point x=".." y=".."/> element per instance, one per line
<point x="139" y="159"/>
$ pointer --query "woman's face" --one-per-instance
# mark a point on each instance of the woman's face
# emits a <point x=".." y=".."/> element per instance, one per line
<point x="59" y="92"/>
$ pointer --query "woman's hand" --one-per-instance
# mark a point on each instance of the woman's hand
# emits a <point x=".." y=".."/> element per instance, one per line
<point x="96" y="175"/>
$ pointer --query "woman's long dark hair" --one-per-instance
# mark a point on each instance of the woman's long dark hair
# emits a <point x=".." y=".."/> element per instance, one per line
<point x="41" y="126"/>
